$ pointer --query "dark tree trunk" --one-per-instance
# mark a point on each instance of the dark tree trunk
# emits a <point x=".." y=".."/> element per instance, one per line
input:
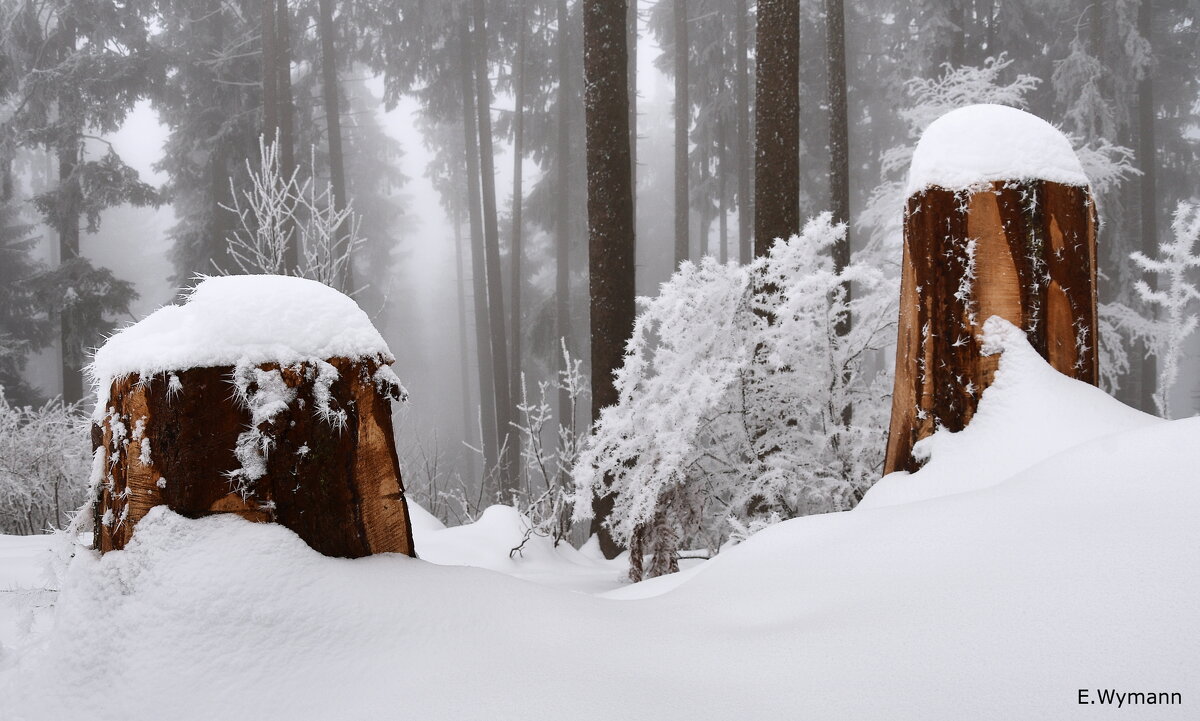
<point x="464" y="366"/>
<point x="631" y="41"/>
<point x="722" y="189"/>
<point x="1148" y="162"/>
<point x="483" y="341"/>
<point x="517" y="229"/>
<point x="270" y="78"/>
<point x="682" y="123"/>
<point x="562" y="233"/>
<point x="70" y="202"/>
<point x="777" y="125"/>
<point x="839" y="144"/>
<point x="744" y="158"/>
<point x="491" y="238"/>
<point x="333" y="120"/>
<point x="610" y="209"/>
<point x="1026" y="252"/>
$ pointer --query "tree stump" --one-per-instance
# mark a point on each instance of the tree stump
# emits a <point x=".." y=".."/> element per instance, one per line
<point x="302" y="441"/>
<point x="1022" y="248"/>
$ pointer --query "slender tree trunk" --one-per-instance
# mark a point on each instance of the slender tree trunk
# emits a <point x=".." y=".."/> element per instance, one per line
<point x="777" y="129"/>
<point x="70" y="201"/>
<point x="682" y="122"/>
<point x="464" y="380"/>
<point x="1147" y="158"/>
<point x="704" y="210"/>
<point x="270" y="79"/>
<point x="722" y="210"/>
<point x="610" y="210"/>
<point x="744" y="159"/>
<point x="562" y="239"/>
<point x="333" y="120"/>
<point x="287" y="109"/>
<point x="631" y="42"/>
<point x="491" y="237"/>
<point x="483" y="341"/>
<point x="517" y="229"/>
<point x="839" y="145"/>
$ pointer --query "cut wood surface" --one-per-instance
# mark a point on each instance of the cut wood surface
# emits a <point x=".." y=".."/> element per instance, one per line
<point x="309" y="446"/>
<point x="1021" y="250"/>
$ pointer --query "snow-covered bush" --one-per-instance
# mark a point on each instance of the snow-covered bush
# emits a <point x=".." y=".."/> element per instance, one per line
<point x="275" y="212"/>
<point x="734" y="397"/>
<point x="45" y="461"/>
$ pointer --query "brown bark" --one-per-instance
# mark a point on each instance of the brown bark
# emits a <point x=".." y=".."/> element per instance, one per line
<point x="777" y="124"/>
<point x="610" y="211"/>
<point x="1033" y="264"/>
<point x="169" y="439"/>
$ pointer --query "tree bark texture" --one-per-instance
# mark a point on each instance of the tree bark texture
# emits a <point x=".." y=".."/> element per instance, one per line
<point x="483" y="341"/>
<point x="610" y="207"/>
<point x="1024" y="251"/>
<point x="170" y="439"/>
<point x="745" y="159"/>
<point x="491" y="239"/>
<point x="777" y="123"/>
<point x="683" y="116"/>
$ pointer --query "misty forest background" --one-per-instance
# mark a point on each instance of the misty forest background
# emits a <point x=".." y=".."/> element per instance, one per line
<point x="129" y="129"/>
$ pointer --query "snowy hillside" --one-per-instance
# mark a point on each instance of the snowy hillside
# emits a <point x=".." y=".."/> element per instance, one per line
<point x="984" y="600"/>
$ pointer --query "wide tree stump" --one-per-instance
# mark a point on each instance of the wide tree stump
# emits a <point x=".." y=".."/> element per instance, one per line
<point x="1024" y="250"/>
<point x="306" y="443"/>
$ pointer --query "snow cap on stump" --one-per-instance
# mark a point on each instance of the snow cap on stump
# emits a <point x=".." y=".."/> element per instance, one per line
<point x="984" y="143"/>
<point x="264" y="396"/>
<point x="999" y="221"/>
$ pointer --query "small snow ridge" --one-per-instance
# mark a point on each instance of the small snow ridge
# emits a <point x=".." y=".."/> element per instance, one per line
<point x="253" y="318"/>
<point x="982" y="143"/>
<point x="1030" y="413"/>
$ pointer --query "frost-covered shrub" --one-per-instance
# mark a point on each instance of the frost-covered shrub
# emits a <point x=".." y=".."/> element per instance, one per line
<point x="45" y="461"/>
<point x="740" y="403"/>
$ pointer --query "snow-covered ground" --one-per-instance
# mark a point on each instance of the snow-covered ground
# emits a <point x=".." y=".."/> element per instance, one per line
<point x="1051" y="547"/>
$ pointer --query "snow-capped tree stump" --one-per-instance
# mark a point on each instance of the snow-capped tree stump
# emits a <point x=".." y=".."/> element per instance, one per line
<point x="999" y="221"/>
<point x="263" y="396"/>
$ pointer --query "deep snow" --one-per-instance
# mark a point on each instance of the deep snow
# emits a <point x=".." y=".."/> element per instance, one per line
<point x="980" y="600"/>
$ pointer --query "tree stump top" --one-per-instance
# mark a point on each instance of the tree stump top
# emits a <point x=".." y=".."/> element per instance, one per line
<point x="979" y="144"/>
<point x="240" y="319"/>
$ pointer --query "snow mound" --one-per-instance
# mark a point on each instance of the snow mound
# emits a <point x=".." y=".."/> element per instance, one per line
<point x="981" y="143"/>
<point x="241" y="318"/>
<point x="1029" y="413"/>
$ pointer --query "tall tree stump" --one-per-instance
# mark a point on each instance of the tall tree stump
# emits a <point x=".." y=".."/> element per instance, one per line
<point x="978" y="244"/>
<point x="271" y="402"/>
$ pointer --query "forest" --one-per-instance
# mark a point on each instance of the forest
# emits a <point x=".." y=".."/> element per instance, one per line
<point x="598" y="358"/>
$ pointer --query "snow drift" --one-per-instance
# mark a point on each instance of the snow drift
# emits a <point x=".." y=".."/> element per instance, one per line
<point x="1079" y="571"/>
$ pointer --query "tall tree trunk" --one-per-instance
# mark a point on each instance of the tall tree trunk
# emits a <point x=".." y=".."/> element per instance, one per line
<point x="744" y="159"/>
<point x="70" y="201"/>
<point x="704" y="209"/>
<point x="270" y="78"/>
<point x="517" y="229"/>
<point x="682" y="118"/>
<point x="562" y="233"/>
<point x="491" y="238"/>
<point x="722" y="188"/>
<point x="464" y="381"/>
<point x="483" y="341"/>
<point x="333" y="120"/>
<point x="610" y="210"/>
<point x="1148" y="161"/>
<point x="777" y="128"/>
<point x="631" y="42"/>
<point x="839" y="146"/>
